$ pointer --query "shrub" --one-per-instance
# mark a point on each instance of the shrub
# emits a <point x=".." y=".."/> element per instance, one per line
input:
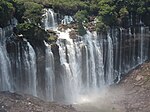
<point x="31" y="31"/>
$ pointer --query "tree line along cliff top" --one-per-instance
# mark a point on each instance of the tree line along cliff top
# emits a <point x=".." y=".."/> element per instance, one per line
<point x="108" y="13"/>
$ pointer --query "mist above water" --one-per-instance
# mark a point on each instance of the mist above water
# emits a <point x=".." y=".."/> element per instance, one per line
<point x="105" y="100"/>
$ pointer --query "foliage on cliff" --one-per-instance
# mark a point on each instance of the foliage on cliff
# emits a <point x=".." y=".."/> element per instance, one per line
<point x="31" y="31"/>
<point x="6" y="12"/>
<point x="115" y="12"/>
<point x="23" y="10"/>
<point x="28" y="11"/>
<point x="81" y="17"/>
<point x="28" y="14"/>
<point x="112" y="12"/>
<point x="108" y="12"/>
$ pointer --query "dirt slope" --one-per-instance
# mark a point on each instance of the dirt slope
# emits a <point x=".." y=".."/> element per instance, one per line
<point x="136" y="86"/>
<point x="11" y="102"/>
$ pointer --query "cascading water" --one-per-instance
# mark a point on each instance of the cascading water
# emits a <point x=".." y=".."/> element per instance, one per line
<point x="5" y="73"/>
<point x="69" y="59"/>
<point x="67" y="20"/>
<point x="120" y="56"/>
<point x="83" y="65"/>
<point x="110" y="77"/>
<point x="4" y="70"/>
<point x="96" y="74"/>
<point x="49" y="77"/>
<point x="143" y="47"/>
<point x="33" y="70"/>
<point x="49" y="19"/>
<point x="141" y="43"/>
<point x="25" y="69"/>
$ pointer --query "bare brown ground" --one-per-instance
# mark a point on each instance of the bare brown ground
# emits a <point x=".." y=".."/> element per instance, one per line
<point x="136" y="85"/>
<point x="11" y="102"/>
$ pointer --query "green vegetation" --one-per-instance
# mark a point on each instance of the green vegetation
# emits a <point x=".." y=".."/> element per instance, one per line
<point x="81" y="17"/>
<point x="29" y="15"/>
<point x="108" y="12"/>
<point x="52" y="38"/>
<point x="28" y="11"/>
<point x="101" y="26"/>
<point x="32" y="31"/>
<point x="6" y="12"/>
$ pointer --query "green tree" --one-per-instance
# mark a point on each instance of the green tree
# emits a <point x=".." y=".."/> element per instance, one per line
<point x="81" y="16"/>
<point x="33" y="12"/>
<point x="107" y="12"/>
<point x="32" y="32"/>
<point x="28" y="11"/>
<point x="6" y="12"/>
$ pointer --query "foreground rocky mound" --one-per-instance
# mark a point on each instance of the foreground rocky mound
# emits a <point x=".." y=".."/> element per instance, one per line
<point x="12" y="102"/>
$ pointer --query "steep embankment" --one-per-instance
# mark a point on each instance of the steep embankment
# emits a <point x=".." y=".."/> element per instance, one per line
<point x="137" y="90"/>
<point x="11" y="102"/>
<point x="133" y="92"/>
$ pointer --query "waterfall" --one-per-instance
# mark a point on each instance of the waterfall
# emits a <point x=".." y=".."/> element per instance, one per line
<point x="96" y="73"/>
<point x="142" y="56"/>
<point x="70" y="58"/>
<point x="67" y="20"/>
<point x="144" y="43"/>
<point x="110" y="62"/>
<point x="84" y="68"/>
<point x="92" y="67"/>
<point x="76" y="67"/>
<point x="50" y="77"/>
<point x="17" y="73"/>
<point x="25" y="69"/>
<point x="5" y="69"/>
<point x="82" y="65"/>
<point x="120" y="56"/>
<point x="14" y="22"/>
<point x="49" y="19"/>
<point x="33" y="70"/>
